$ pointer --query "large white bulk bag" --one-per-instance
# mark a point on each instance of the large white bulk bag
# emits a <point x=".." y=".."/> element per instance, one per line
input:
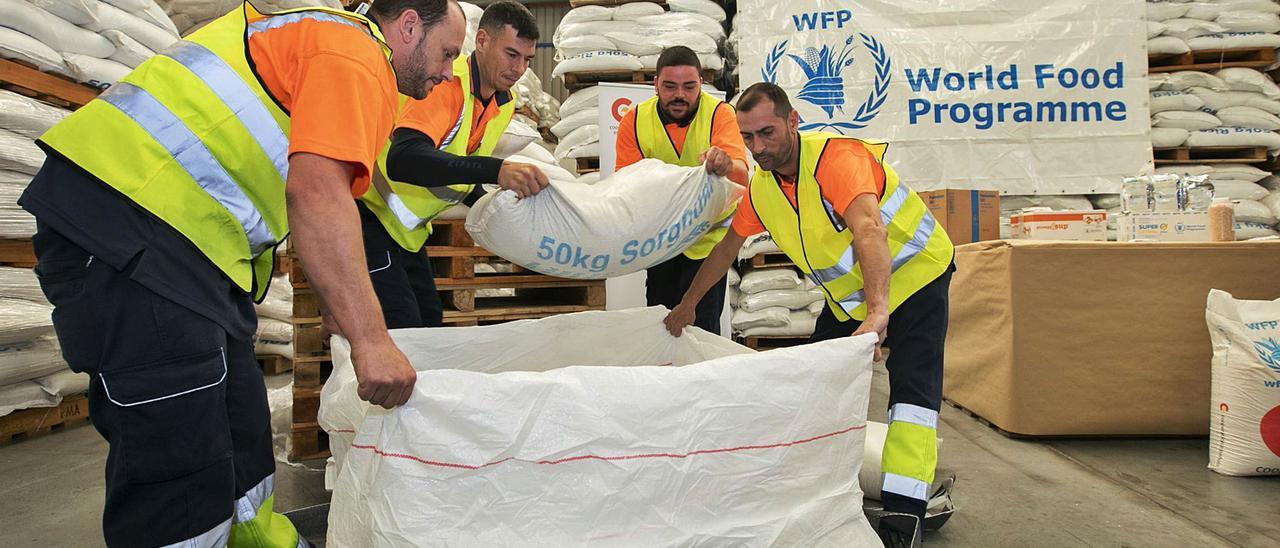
<point x="513" y="438"/>
<point x="1244" y="428"/>
<point x="26" y="116"/>
<point x="642" y="215"/>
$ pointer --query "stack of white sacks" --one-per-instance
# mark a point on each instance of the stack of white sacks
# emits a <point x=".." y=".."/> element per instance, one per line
<point x="189" y="15"/>
<point x="94" y="42"/>
<point x="275" y="320"/>
<point x="32" y="371"/>
<point x="631" y="36"/>
<point x="22" y="120"/>
<point x="1232" y="107"/>
<point x="1254" y="193"/>
<point x="1180" y="27"/>
<point x="773" y="301"/>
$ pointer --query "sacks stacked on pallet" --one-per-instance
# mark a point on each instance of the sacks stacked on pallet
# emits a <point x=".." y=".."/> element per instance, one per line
<point x="22" y="119"/>
<point x="531" y="96"/>
<point x="1179" y="27"/>
<point x="275" y="320"/>
<point x="578" y="130"/>
<point x="1231" y="107"/>
<point x="189" y="15"/>
<point x="32" y="372"/>
<point x="630" y="36"/>
<point x="94" y="42"/>
<point x="772" y="301"/>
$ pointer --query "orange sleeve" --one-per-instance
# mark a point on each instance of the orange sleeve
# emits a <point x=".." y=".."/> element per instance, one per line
<point x="337" y="86"/>
<point x="745" y="221"/>
<point x="626" y="149"/>
<point x="436" y="114"/>
<point x="848" y="170"/>
<point x="726" y="135"/>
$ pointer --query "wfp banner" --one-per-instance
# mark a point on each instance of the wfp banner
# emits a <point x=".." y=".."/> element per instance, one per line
<point x="1044" y="97"/>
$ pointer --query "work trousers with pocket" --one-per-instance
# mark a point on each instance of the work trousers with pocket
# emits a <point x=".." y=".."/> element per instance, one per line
<point x="403" y="280"/>
<point x="182" y="405"/>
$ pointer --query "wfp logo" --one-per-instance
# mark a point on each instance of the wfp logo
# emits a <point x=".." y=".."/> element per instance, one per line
<point x="1269" y="351"/>
<point x="824" y="70"/>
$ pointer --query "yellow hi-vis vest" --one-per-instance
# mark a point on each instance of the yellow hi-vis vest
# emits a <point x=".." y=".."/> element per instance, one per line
<point x="813" y="234"/>
<point x="654" y="142"/>
<point x="406" y="209"/>
<point x="192" y="137"/>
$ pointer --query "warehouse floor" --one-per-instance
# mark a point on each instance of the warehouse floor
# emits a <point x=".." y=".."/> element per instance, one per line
<point x="1009" y="493"/>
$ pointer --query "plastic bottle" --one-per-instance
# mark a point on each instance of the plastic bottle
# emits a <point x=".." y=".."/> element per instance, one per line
<point x="1222" y="221"/>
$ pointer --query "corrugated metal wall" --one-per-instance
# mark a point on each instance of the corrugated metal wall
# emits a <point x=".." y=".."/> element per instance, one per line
<point x="548" y="16"/>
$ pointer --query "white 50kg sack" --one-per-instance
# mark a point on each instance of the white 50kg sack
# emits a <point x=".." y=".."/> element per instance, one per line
<point x="598" y="60"/>
<point x="539" y="444"/>
<point x="756" y="281"/>
<point x="642" y="215"/>
<point x="1244" y="428"/>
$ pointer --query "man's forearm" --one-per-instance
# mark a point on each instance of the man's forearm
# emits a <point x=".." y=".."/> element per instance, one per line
<point x="414" y="159"/>
<point x="714" y="267"/>
<point x="325" y="230"/>
<point x="871" y="246"/>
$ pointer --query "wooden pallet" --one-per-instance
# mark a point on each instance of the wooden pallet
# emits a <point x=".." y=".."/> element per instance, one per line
<point x="27" y="423"/>
<point x="273" y="364"/>
<point x="575" y="81"/>
<point x="17" y="253"/>
<point x="774" y="341"/>
<point x="24" y="79"/>
<point x="588" y="165"/>
<point x="1210" y="155"/>
<point x="771" y="259"/>
<point x="1211" y="60"/>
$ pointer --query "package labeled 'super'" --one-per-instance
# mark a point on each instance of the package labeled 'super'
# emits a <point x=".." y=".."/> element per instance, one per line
<point x="642" y="215"/>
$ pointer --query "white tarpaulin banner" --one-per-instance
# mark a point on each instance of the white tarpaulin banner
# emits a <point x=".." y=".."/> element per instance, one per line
<point x="1044" y="97"/>
<point x="616" y="100"/>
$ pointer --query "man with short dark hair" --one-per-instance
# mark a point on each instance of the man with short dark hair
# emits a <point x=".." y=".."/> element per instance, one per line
<point x="437" y="158"/>
<point x="882" y="261"/>
<point x="158" y="212"/>
<point x="686" y="127"/>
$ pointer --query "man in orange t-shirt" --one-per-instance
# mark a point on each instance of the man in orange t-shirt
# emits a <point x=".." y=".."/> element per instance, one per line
<point x="426" y="150"/>
<point x="274" y="127"/>
<point x="681" y="105"/>
<point x="840" y="189"/>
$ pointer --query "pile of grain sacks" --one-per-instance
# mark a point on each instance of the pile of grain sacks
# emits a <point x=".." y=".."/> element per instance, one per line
<point x="1180" y="27"/>
<point x="1231" y="107"/>
<point x="275" y="320"/>
<point x="631" y="36"/>
<point x="32" y="371"/>
<point x="773" y="300"/>
<point x="93" y="42"/>
<point x="22" y="120"/>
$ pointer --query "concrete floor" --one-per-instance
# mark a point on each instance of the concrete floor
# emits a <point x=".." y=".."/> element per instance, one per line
<point x="1008" y="492"/>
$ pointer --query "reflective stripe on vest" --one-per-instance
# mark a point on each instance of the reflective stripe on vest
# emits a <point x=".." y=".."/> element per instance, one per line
<point x="190" y="153"/>
<point x="404" y="209"/>
<point x="207" y="144"/>
<point x="813" y="234"/>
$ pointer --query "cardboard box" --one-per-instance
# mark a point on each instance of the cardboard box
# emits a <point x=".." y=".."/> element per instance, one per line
<point x="1082" y="338"/>
<point x="967" y="215"/>
<point x="1080" y="226"/>
<point x="1163" y="227"/>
